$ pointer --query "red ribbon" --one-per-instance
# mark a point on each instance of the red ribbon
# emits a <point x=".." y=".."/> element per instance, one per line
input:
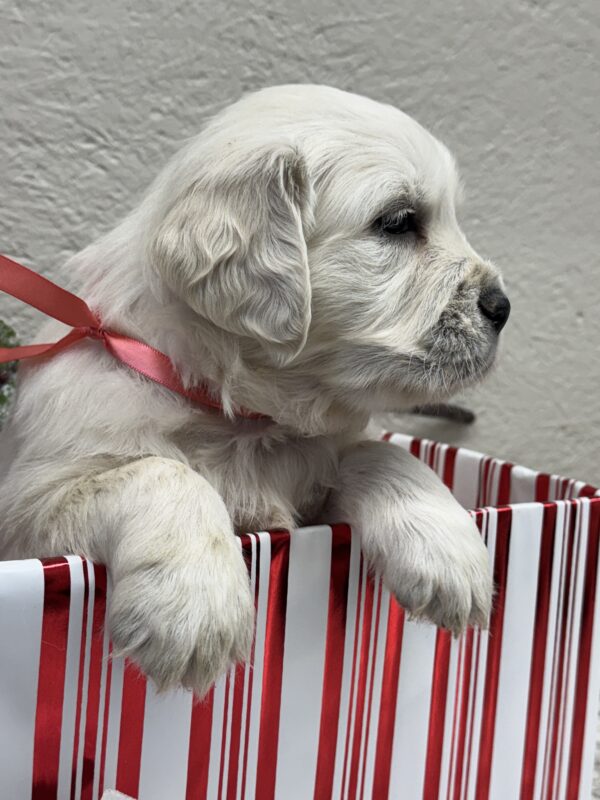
<point x="39" y="292"/>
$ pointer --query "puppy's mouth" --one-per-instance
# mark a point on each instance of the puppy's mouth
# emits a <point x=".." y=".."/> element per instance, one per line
<point x="461" y="347"/>
<point x="457" y="352"/>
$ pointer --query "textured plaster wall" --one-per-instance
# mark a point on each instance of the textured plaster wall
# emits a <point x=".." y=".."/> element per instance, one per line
<point x="95" y="97"/>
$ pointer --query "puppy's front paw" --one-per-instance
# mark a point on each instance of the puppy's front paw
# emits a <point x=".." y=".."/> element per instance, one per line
<point x="426" y="546"/>
<point x="435" y="563"/>
<point x="186" y="622"/>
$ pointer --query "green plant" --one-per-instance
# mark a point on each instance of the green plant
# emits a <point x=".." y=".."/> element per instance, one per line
<point x="8" y="338"/>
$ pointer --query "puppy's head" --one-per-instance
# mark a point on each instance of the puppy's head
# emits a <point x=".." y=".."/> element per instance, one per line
<point x="318" y="229"/>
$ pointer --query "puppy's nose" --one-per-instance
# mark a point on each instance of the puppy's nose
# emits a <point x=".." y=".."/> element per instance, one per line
<point x="495" y="305"/>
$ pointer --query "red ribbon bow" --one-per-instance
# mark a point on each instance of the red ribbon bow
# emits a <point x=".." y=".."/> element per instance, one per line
<point x="39" y="292"/>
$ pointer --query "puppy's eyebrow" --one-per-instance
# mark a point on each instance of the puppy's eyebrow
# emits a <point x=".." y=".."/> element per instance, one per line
<point x="396" y="203"/>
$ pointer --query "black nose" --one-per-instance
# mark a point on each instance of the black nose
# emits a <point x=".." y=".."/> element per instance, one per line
<point x="495" y="305"/>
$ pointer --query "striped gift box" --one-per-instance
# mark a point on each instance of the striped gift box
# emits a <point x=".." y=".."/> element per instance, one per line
<point x="346" y="697"/>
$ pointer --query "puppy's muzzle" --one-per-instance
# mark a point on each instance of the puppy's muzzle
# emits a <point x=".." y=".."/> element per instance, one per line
<point x="495" y="306"/>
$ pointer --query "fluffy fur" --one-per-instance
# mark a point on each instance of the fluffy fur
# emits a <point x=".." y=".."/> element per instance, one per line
<point x="261" y="263"/>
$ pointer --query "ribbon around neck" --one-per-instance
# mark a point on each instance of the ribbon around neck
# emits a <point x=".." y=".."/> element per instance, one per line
<point x="52" y="300"/>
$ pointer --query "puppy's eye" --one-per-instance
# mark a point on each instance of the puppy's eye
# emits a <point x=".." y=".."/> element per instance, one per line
<point x="397" y="224"/>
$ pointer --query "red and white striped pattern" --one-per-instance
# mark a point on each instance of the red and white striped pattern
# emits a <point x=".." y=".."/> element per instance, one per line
<point x="346" y="697"/>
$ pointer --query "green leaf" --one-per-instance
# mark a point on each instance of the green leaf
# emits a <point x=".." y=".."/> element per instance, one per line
<point x="8" y="338"/>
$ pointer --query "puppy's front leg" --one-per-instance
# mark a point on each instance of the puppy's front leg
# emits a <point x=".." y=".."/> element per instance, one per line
<point x="426" y="546"/>
<point x="181" y="606"/>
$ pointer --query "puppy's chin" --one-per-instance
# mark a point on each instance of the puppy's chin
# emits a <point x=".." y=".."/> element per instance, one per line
<point x="379" y="379"/>
<point x="454" y="359"/>
<point x="442" y="374"/>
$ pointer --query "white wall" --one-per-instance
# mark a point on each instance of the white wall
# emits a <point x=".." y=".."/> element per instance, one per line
<point x="94" y="97"/>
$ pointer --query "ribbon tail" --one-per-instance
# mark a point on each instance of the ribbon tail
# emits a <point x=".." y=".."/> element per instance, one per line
<point x="8" y="354"/>
<point x="39" y="292"/>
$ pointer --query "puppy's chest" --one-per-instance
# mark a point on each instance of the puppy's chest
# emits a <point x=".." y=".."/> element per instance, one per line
<point x="269" y="482"/>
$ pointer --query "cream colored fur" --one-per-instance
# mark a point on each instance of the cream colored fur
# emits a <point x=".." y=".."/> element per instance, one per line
<point x="258" y="262"/>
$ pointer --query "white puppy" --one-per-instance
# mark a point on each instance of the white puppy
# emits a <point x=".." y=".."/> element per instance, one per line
<point x="302" y="258"/>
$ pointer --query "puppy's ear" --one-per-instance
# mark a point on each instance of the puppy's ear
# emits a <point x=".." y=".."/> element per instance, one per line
<point x="232" y="247"/>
